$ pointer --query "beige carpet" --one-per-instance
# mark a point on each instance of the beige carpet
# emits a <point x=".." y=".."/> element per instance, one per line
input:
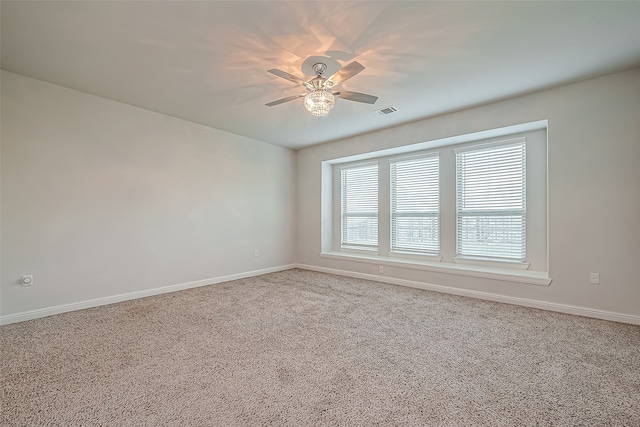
<point x="300" y="348"/>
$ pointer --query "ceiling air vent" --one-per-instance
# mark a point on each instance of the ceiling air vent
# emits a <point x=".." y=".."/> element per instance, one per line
<point x="387" y="110"/>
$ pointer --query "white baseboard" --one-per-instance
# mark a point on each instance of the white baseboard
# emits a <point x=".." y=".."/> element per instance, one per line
<point x="562" y="308"/>
<point x="48" y="311"/>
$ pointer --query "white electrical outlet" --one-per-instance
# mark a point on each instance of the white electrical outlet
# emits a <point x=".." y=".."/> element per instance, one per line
<point x="27" y="280"/>
<point x="594" y="278"/>
<point x="380" y="269"/>
<point x="256" y="252"/>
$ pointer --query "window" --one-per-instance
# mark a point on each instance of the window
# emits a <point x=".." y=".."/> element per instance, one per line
<point x="415" y="205"/>
<point x="359" y="213"/>
<point x="491" y="203"/>
<point x="473" y="204"/>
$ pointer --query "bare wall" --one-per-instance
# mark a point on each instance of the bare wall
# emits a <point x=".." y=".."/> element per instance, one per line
<point x="593" y="191"/>
<point x="101" y="198"/>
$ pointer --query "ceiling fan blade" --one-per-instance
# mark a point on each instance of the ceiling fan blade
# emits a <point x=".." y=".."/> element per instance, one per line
<point x="357" y="96"/>
<point x="283" y="100"/>
<point x="346" y="72"/>
<point x="289" y="77"/>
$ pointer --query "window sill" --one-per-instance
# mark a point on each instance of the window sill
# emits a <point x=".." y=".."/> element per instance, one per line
<point x="520" y="276"/>
<point x="505" y="265"/>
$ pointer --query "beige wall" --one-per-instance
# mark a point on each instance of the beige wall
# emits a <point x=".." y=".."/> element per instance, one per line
<point x="101" y="198"/>
<point x="593" y="191"/>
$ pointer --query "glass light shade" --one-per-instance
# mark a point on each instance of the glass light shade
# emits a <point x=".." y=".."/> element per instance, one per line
<point x="319" y="102"/>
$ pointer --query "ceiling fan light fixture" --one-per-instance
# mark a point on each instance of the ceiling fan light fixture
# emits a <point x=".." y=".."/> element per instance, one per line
<point x="319" y="102"/>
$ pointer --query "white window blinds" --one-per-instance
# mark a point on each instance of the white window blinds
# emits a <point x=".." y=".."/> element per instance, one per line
<point x="490" y="183"/>
<point x="415" y="205"/>
<point x="359" y="217"/>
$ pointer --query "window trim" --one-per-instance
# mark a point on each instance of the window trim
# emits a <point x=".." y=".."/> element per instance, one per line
<point x="539" y="278"/>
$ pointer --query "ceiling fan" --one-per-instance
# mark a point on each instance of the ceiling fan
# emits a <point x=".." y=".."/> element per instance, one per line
<point x="319" y="98"/>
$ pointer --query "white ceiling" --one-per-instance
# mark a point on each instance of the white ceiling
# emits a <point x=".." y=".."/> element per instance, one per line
<point x="207" y="62"/>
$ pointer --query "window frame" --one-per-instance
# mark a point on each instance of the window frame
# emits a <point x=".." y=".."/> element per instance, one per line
<point x="393" y="247"/>
<point x="488" y="256"/>
<point x="352" y="245"/>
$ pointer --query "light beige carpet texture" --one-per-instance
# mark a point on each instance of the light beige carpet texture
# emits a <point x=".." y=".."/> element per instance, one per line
<point x="301" y="348"/>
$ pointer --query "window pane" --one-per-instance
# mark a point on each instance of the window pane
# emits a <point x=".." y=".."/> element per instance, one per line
<point x="492" y="236"/>
<point x="416" y="234"/>
<point x="361" y="231"/>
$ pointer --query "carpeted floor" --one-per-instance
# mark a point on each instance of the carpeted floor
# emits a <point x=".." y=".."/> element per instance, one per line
<point x="301" y="348"/>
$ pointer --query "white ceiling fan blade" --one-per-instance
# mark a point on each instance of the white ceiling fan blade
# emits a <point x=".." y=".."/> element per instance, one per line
<point x="357" y="96"/>
<point x="289" y="77"/>
<point x="283" y="100"/>
<point x="346" y="72"/>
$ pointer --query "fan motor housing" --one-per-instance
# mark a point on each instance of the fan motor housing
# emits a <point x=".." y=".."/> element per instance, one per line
<point x="319" y="68"/>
